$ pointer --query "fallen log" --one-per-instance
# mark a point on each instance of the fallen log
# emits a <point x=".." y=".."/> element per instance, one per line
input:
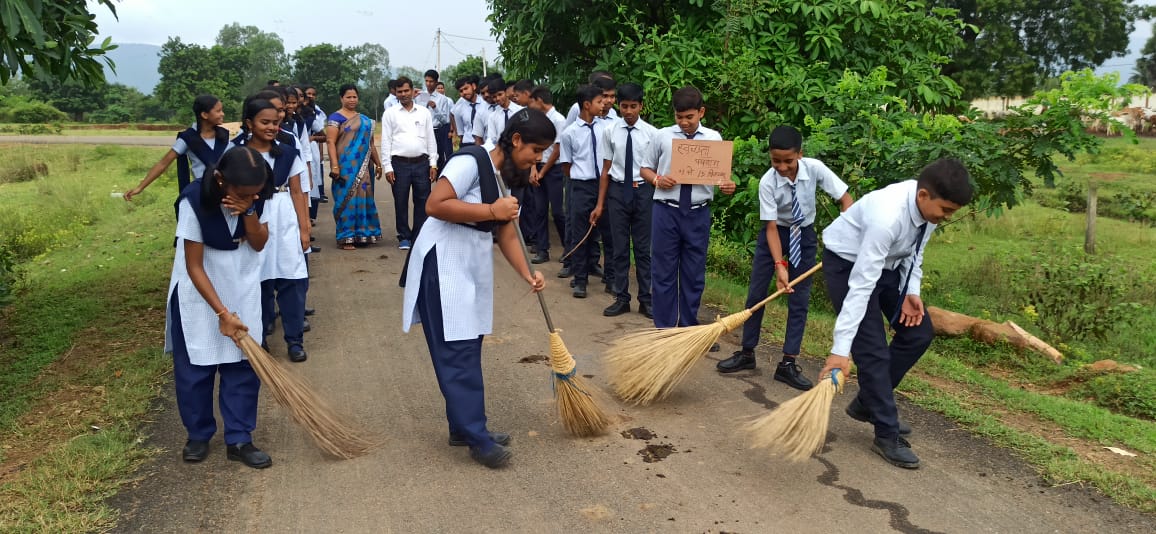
<point x="949" y="323"/>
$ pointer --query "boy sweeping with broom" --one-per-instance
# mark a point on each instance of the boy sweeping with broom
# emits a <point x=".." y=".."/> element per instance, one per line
<point x="873" y="267"/>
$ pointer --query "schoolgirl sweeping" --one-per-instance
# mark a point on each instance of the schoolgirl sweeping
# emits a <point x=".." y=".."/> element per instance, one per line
<point x="194" y="149"/>
<point x="213" y="294"/>
<point x="450" y="269"/>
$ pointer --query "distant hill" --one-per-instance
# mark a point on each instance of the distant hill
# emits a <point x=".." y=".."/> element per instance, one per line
<point x="136" y="66"/>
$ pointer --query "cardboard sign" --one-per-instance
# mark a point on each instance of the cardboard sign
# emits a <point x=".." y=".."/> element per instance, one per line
<point x="701" y="162"/>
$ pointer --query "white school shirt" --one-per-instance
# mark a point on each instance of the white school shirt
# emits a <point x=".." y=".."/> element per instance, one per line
<point x="878" y="232"/>
<point x="775" y="191"/>
<point x="481" y="120"/>
<point x="572" y="115"/>
<point x="659" y="161"/>
<point x="577" y="149"/>
<point x="318" y="126"/>
<point x="440" y="113"/>
<point x="283" y="257"/>
<point x="559" y="127"/>
<point x="613" y="148"/>
<point x="407" y="133"/>
<point x="462" y="114"/>
<point x="390" y="101"/>
<point x="497" y="122"/>
<point x="196" y="166"/>
<point x="236" y="277"/>
<point x="465" y="263"/>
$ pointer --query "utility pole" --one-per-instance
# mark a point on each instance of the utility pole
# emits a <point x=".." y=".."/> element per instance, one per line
<point x="483" y="61"/>
<point x="439" y="64"/>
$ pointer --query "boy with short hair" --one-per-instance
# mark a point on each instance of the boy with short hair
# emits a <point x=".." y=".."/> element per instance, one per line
<point x="786" y="249"/>
<point x="546" y="181"/>
<point x="466" y="109"/>
<point x="873" y="264"/>
<point x="522" y="89"/>
<point x="483" y="116"/>
<point x="680" y="220"/>
<point x="627" y="200"/>
<point x="578" y="146"/>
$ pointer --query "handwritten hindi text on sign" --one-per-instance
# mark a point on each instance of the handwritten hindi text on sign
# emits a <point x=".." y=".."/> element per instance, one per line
<point x="701" y="162"/>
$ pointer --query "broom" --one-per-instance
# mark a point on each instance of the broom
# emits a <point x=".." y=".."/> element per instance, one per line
<point x="648" y="364"/>
<point x="798" y="427"/>
<point x="331" y="432"/>
<point x="578" y="408"/>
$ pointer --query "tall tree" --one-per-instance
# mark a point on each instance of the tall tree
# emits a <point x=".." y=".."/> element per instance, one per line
<point x="1145" y="72"/>
<point x="265" y="51"/>
<point x="52" y="39"/>
<point x="71" y="95"/>
<point x="1011" y="46"/>
<point x="372" y="62"/>
<point x="189" y="70"/>
<point x="328" y="67"/>
<point x="468" y="66"/>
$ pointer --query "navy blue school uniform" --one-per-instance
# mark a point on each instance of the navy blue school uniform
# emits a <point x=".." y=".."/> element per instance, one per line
<point x="680" y="233"/>
<point x="578" y="146"/>
<point x="200" y="353"/>
<point x="873" y="260"/>
<point x="628" y="205"/>
<point x="194" y="153"/>
<point x="548" y="198"/>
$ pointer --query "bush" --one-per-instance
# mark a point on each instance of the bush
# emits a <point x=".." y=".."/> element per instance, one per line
<point x="8" y="273"/>
<point x="729" y="259"/>
<point x="36" y="112"/>
<point x="1132" y="394"/>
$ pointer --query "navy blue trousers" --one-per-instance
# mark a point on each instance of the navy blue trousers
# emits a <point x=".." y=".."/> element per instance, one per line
<point x="445" y="145"/>
<point x="548" y="206"/>
<point x="288" y="297"/>
<point x="881" y="365"/>
<point x="584" y="196"/>
<point x="763" y="280"/>
<point x="630" y="224"/>
<point x="194" y="387"/>
<point x="457" y="364"/>
<point x="408" y="176"/>
<point x="527" y="212"/>
<point x="678" y="263"/>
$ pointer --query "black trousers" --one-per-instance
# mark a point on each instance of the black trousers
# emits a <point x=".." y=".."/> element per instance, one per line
<point x="630" y="225"/>
<point x="445" y="145"/>
<point x="763" y="279"/>
<point x="882" y="366"/>
<point x="547" y="207"/>
<point x="583" y="198"/>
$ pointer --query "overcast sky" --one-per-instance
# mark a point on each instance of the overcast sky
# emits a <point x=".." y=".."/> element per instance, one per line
<point x="403" y="28"/>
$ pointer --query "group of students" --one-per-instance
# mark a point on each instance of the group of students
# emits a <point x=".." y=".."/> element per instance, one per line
<point x="603" y="178"/>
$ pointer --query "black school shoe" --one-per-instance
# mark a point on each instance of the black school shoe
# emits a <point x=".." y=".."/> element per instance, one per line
<point x="790" y="374"/>
<point x="195" y="450"/>
<point x="565" y="272"/>
<point x="739" y="361"/>
<point x="309" y="311"/>
<point x="858" y="412"/>
<point x="501" y="438"/>
<point x="497" y="457"/>
<point x="897" y="451"/>
<point x="644" y="309"/>
<point x="297" y="354"/>
<point x="249" y="455"/>
<point x="541" y="257"/>
<point x="579" y="291"/>
<point x="618" y="308"/>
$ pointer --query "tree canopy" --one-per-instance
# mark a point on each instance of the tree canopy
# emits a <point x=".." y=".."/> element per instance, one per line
<point x="265" y="50"/>
<point x="52" y="40"/>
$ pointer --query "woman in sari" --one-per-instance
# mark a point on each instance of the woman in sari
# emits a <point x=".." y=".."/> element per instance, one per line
<point x="354" y="162"/>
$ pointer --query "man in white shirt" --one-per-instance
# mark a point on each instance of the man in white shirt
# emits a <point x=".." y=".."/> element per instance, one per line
<point x="390" y="100"/>
<point x="407" y="146"/>
<point x="546" y="181"/>
<point x="466" y="109"/>
<point x="873" y="265"/>
<point x="440" y="107"/>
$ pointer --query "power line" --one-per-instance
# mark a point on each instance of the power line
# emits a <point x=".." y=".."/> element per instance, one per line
<point x="490" y="40"/>
<point x="451" y="45"/>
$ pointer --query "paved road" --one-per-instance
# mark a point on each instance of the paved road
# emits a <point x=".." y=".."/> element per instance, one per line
<point x="134" y="140"/>
<point x="555" y="483"/>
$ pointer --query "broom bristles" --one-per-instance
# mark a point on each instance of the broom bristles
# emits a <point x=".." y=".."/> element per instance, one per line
<point x="330" y="431"/>
<point x="578" y="405"/>
<point x="648" y="364"/>
<point x="797" y="429"/>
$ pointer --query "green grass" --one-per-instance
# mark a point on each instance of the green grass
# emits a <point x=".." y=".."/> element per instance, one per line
<point x="1125" y="174"/>
<point x="82" y="330"/>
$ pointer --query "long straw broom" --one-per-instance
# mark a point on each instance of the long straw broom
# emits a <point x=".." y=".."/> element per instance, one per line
<point x="578" y="407"/>
<point x="648" y="364"/>
<point x="331" y="432"/>
<point x="798" y="427"/>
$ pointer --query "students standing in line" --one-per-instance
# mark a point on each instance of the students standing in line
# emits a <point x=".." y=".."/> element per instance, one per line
<point x="873" y="265"/>
<point x="409" y="160"/>
<point x="547" y="181"/>
<point x="481" y="121"/>
<point x="627" y="200"/>
<point x="451" y="268"/>
<point x="194" y="149"/>
<point x="214" y="293"/>
<point x="440" y="108"/>
<point x="786" y="248"/>
<point x="572" y="115"/>
<point x="680" y="220"/>
<point x="578" y="146"/>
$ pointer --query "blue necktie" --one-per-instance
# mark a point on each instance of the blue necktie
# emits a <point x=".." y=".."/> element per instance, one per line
<point x="796" y="243"/>
<point x="628" y="176"/>
<point x="907" y="279"/>
<point x="594" y="147"/>
<point x="506" y="113"/>
<point x="685" y="190"/>
<point x="473" y="111"/>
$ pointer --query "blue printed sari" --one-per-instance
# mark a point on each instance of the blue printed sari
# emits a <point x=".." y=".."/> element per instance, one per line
<point x="357" y="222"/>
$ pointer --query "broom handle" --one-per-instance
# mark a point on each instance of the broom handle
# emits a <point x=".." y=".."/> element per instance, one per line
<point x="526" y="254"/>
<point x="790" y="284"/>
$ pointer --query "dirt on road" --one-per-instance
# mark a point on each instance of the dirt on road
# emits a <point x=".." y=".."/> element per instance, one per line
<point x="680" y="465"/>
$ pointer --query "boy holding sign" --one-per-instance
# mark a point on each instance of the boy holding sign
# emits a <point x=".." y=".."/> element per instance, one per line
<point x="680" y="219"/>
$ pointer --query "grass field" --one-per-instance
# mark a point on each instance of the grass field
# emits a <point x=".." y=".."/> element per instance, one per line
<point x="67" y="128"/>
<point x="79" y="350"/>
